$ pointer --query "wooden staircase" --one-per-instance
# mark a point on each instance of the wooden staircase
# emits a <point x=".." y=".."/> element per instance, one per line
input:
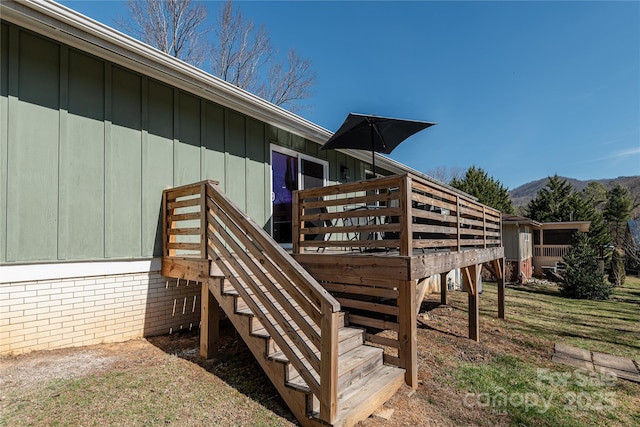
<point x="294" y="328"/>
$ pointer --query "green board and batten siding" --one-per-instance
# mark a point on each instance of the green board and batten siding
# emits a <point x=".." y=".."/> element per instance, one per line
<point x="86" y="148"/>
<point x="4" y="103"/>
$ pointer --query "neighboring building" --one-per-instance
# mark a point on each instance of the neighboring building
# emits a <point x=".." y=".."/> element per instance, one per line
<point x="552" y="241"/>
<point x="517" y="238"/>
<point x="93" y="126"/>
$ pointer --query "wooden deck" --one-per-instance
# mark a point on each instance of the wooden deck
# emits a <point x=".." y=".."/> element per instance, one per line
<point x="322" y="368"/>
<point x="334" y="325"/>
<point x="374" y="243"/>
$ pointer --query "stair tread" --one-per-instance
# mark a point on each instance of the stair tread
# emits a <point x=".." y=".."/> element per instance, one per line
<point x="355" y="357"/>
<point x="347" y="365"/>
<point x="361" y="398"/>
<point x="379" y="376"/>
<point x="299" y="383"/>
<point x="261" y="332"/>
<point x="344" y="334"/>
<point x="243" y="308"/>
<point x="348" y="332"/>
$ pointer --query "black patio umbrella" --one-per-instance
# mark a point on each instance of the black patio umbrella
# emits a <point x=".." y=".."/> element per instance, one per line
<point x="375" y="133"/>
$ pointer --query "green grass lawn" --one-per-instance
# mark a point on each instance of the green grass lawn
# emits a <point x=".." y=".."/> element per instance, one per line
<point x="611" y="326"/>
<point x="529" y="389"/>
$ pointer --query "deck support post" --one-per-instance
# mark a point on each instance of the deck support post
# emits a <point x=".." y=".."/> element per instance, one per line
<point x="473" y="278"/>
<point x="329" y="365"/>
<point x="443" y="288"/>
<point x="408" y="332"/>
<point x="474" y="313"/>
<point x="209" y="318"/>
<point x="499" y="267"/>
<point x="406" y="219"/>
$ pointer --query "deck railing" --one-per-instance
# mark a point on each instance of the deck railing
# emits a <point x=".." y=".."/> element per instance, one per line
<point x="297" y="312"/>
<point x="553" y="251"/>
<point x="400" y="212"/>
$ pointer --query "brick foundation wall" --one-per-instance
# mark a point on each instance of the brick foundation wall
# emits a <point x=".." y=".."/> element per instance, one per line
<point x="49" y="314"/>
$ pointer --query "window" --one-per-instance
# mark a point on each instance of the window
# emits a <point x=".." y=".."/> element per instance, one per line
<point x="291" y="171"/>
<point x="558" y="237"/>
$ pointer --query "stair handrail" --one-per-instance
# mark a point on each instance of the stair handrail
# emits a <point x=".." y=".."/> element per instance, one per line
<point x="328" y="306"/>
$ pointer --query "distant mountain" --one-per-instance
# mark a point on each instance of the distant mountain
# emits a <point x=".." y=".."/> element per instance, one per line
<point x="521" y="195"/>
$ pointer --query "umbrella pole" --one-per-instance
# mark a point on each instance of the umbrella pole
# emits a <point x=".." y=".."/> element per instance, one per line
<point x="373" y="151"/>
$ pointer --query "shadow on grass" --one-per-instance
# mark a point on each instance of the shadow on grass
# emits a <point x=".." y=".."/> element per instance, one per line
<point x="556" y="293"/>
<point x="610" y="340"/>
<point x="234" y="364"/>
<point x="427" y="305"/>
<point x="422" y="325"/>
<point x="535" y="290"/>
<point x="547" y="314"/>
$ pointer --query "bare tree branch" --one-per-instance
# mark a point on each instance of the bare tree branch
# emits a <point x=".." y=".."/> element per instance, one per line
<point x="291" y="84"/>
<point x="446" y="174"/>
<point x="176" y="27"/>
<point x="240" y="52"/>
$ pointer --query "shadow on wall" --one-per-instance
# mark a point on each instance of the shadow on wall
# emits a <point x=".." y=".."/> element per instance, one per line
<point x="172" y="305"/>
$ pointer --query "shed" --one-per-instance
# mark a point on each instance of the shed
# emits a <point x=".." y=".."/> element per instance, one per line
<point x="517" y="238"/>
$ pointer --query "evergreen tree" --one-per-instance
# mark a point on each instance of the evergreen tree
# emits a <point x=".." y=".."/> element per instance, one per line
<point x="585" y="211"/>
<point x="488" y="190"/>
<point x="596" y="194"/>
<point x="617" y="211"/>
<point x="553" y="202"/>
<point x="582" y="278"/>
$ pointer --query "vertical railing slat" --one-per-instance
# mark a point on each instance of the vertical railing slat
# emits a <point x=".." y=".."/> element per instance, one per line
<point x="406" y="231"/>
<point x="203" y="221"/>
<point x="484" y="227"/>
<point x="458" y="222"/>
<point x="296" y="223"/>
<point x="165" y="252"/>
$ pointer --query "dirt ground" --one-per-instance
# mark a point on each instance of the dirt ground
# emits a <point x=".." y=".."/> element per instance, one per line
<point x="442" y="340"/>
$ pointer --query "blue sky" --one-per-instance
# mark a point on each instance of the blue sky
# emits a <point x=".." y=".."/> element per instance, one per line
<point x="521" y="89"/>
